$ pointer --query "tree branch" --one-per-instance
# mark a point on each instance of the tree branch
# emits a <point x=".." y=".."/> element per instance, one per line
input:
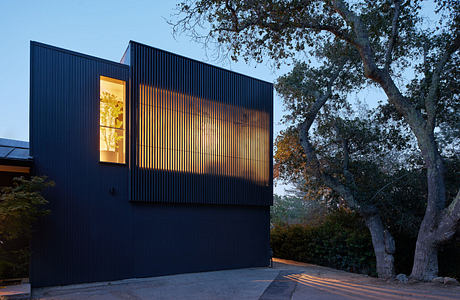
<point x="386" y="185"/>
<point x="320" y="101"/>
<point x="277" y="22"/>
<point x="332" y="29"/>
<point x="413" y="116"/>
<point x="342" y="190"/>
<point x="430" y="99"/>
<point x="394" y="36"/>
<point x="305" y="126"/>
<point x="233" y="12"/>
<point x="361" y="40"/>
<point x="241" y="25"/>
<point x="346" y="156"/>
<point x="449" y="220"/>
<point x="426" y="68"/>
<point x="312" y="158"/>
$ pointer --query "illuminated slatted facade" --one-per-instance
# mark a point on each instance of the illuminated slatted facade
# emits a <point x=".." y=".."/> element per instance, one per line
<point x="202" y="134"/>
<point x="186" y="134"/>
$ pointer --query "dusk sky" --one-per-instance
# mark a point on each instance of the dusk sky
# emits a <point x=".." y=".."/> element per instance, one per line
<point x="102" y="29"/>
<point x="98" y="28"/>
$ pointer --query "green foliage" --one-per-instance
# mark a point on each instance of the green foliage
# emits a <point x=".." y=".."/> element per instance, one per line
<point x="402" y="208"/>
<point x="374" y="156"/>
<point x="276" y="30"/>
<point x="403" y="212"/>
<point x="412" y="56"/>
<point x="341" y="241"/>
<point x="294" y="210"/>
<point x="449" y="258"/>
<point x="403" y="205"/>
<point x="20" y="206"/>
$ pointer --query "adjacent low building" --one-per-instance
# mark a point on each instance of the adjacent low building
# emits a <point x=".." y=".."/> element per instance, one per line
<point x="162" y="164"/>
<point x="14" y="160"/>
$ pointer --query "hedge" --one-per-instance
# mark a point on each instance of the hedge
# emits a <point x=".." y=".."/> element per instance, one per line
<point x="342" y="241"/>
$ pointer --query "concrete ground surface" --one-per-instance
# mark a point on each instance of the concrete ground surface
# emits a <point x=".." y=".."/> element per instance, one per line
<point x="320" y="283"/>
<point x="286" y="280"/>
<point x="15" y="292"/>
<point x="229" y="284"/>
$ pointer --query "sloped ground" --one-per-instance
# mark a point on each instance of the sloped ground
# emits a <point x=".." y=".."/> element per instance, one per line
<point x="229" y="284"/>
<point x="315" y="282"/>
<point x="286" y="280"/>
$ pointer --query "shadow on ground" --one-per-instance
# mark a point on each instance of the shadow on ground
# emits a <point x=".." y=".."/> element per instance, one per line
<point x="317" y="283"/>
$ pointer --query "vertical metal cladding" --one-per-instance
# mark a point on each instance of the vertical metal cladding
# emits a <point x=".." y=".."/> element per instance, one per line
<point x="199" y="134"/>
<point x="64" y="141"/>
<point x="93" y="232"/>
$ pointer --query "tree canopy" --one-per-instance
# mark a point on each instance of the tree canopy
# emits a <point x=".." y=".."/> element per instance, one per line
<point x="349" y="46"/>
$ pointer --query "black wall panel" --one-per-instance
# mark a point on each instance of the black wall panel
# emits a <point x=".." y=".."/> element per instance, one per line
<point x="95" y="235"/>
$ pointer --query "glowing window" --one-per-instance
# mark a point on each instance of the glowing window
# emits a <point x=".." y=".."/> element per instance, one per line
<point x="112" y="120"/>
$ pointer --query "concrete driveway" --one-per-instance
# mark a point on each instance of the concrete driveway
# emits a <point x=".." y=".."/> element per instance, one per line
<point x="287" y="280"/>
<point x="305" y="281"/>
<point x="229" y="284"/>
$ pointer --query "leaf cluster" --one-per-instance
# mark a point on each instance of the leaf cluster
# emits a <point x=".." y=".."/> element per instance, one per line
<point x="20" y="206"/>
<point x="280" y="30"/>
<point x="340" y="241"/>
<point x="289" y="209"/>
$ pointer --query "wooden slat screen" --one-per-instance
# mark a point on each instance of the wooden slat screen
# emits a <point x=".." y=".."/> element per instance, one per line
<point x="199" y="134"/>
<point x="193" y="135"/>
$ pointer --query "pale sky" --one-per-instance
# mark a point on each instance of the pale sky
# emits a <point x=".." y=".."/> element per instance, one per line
<point x="98" y="28"/>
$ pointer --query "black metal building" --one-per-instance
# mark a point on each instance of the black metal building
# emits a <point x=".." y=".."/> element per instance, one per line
<point x="162" y="164"/>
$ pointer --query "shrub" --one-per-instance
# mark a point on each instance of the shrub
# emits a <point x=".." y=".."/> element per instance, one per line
<point x="449" y="258"/>
<point x="341" y="241"/>
<point x="20" y="206"/>
<point x="292" y="209"/>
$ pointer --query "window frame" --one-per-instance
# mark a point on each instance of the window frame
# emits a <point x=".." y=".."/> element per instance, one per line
<point x="125" y="117"/>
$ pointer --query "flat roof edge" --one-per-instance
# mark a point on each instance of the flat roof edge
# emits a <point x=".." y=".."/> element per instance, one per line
<point x="35" y="43"/>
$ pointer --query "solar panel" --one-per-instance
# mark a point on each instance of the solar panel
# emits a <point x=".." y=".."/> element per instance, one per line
<point x="14" y="149"/>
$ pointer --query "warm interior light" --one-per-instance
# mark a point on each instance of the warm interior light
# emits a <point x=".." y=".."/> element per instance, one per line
<point x="183" y="133"/>
<point x="112" y="120"/>
<point x="14" y="169"/>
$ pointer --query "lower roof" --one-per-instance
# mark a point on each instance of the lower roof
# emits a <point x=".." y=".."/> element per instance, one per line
<point x="14" y="150"/>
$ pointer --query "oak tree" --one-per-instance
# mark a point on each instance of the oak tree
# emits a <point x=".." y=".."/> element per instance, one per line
<point x="390" y="42"/>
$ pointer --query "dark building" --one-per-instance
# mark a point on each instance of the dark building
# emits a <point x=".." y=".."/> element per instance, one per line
<point x="14" y="160"/>
<point x="162" y="164"/>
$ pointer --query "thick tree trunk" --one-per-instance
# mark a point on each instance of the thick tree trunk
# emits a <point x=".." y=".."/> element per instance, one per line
<point x="384" y="246"/>
<point x="438" y="223"/>
<point x="382" y="241"/>
<point x="425" y="259"/>
<point x="426" y="251"/>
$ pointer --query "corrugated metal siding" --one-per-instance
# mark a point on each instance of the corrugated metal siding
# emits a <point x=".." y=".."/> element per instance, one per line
<point x="64" y="142"/>
<point x="94" y="235"/>
<point x="200" y="134"/>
